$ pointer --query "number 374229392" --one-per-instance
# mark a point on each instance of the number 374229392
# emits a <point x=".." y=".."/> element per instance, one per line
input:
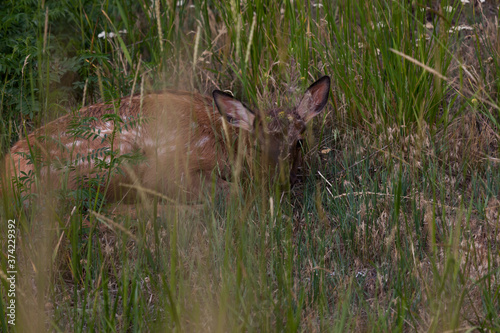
<point x="11" y="244"/>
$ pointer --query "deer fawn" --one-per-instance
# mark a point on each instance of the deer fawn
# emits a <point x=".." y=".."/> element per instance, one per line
<point x="182" y="142"/>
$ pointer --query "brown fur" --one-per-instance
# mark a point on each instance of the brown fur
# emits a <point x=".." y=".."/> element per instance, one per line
<point x="180" y="136"/>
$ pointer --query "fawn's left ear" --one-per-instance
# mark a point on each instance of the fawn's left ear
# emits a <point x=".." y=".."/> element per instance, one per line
<point x="234" y="111"/>
<point x="315" y="99"/>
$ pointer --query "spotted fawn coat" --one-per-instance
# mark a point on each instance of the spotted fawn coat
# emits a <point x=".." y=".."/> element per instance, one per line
<point x="172" y="142"/>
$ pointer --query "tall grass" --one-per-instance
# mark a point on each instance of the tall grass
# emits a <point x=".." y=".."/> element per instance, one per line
<point x="394" y="226"/>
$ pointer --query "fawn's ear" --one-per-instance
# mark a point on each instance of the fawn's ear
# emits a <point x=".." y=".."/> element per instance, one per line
<point x="315" y="99"/>
<point x="234" y="111"/>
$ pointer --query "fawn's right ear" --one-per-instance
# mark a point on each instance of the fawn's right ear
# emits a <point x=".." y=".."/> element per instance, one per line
<point x="234" y="111"/>
<point x="315" y="99"/>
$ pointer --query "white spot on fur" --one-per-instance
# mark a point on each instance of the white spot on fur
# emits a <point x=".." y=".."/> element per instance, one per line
<point x="51" y="169"/>
<point x="171" y="137"/>
<point x="149" y="142"/>
<point x="105" y="129"/>
<point x="125" y="147"/>
<point x="74" y="144"/>
<point x="202" y="141"/>
<point x="109" y="125"/>
<point x="163" y="150"/>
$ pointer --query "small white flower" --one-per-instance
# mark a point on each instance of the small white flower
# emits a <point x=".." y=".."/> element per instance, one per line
<point x="464" y="1"/>
<point x="104" y="34"/>
<point x="448" y="9"/>
<point x="180" y="3"/>
<point x="319" y="5"/>
<point x="460" y="28"/>
<point x="424" y="37"/>
<point x="360" y="274"/>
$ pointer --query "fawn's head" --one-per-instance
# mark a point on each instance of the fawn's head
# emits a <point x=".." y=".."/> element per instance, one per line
<point x="278" y="133"/>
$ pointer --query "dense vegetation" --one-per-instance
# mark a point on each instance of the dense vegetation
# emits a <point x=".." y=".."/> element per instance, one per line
<point x="394" y="227"/>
